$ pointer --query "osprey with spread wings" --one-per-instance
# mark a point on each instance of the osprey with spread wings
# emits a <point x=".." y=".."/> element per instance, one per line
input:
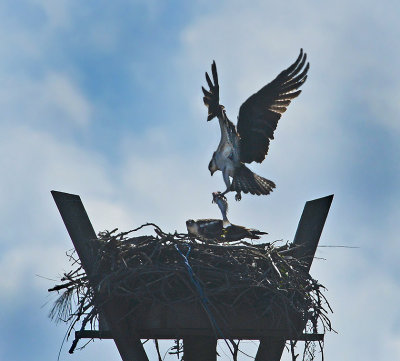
<point x="257" y="121"/>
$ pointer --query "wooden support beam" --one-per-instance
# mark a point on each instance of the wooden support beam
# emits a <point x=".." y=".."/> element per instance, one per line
<point x="93" y="334"/>
<point x="199" y="348"/>
<point x="81" y="232"/>
<point x="270" y="349"/>
<point x="306" y="240"/>
<point x="108" y="335"/>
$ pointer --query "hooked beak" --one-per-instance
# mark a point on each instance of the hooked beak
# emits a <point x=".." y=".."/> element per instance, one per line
<point x="211" y="172"/>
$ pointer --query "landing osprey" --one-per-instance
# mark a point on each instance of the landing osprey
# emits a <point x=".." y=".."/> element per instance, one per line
<point x="220" y="230"/>
<point x="257" y="121"/>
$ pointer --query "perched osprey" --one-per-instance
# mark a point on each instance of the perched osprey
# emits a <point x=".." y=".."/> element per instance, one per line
<point x="257" y="121"/>
<point x="220" y="230"/>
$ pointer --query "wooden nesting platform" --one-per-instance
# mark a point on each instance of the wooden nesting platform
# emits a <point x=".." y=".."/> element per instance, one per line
<point x="189" y="321"/>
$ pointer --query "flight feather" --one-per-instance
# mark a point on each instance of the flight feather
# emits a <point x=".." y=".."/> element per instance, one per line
<point x="260" y="113"/>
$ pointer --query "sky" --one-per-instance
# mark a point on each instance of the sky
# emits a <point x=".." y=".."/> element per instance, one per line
<point x="103" y="99"/>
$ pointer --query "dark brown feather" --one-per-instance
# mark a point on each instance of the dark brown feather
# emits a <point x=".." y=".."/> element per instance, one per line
<point x="212" y="229"/>
<point x="260" y="113"/>
<point x="248" y="182"/>
<point x="211" y="97"/>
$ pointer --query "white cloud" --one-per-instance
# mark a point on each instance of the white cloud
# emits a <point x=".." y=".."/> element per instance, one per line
<point x="53" y="99"/>
<point x="363" y="296"/>
<point x="23" y="266"/>
<point x="61" y="94"/>
<point x="33" y="240"/>
<point x="57" y="12"/>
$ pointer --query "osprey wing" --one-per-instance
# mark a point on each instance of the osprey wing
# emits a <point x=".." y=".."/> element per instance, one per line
<point x="259" y="114"/>
<point x="211" y="96"/>
<point x="209" y="228"/>
<point x="236" y="233"/>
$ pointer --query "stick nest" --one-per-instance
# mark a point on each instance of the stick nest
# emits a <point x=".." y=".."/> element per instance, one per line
<point x="171" y="268"/>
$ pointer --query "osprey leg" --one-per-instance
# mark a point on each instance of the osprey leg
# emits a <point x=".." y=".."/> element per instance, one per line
<point x="238" y="196"/>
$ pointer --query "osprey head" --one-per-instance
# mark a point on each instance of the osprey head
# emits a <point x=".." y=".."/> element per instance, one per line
<point x="212" y="167"/>
<point x="192" y="227"/>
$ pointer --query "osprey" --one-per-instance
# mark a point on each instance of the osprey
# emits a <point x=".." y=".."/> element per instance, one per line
<point x="257" y="121"/>
<point x="220" y="230"/>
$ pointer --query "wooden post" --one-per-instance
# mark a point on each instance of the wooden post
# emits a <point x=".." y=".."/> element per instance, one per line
<point x="306" y="242"/>
<point x="81" y="232"/>
<point x="200" y="348"/>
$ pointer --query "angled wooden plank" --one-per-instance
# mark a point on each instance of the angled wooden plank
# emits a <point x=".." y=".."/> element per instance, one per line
<point x="310" y="228"/>
<point x="78" y="225"/>
<point x="306" y="240"/>
<point x="81" y="232"/>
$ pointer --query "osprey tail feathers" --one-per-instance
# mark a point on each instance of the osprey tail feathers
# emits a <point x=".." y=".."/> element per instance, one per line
<point x="248" y="182"/>
<point x="256" y="234"/>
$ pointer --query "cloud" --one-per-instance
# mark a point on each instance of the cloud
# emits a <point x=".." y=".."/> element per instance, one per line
<point x="64" y="99"/>
<point x="52" y="100"/>
<point x="362" y="296"/>
<point x="57" y="13"/>
<point x="33" y="240"/>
